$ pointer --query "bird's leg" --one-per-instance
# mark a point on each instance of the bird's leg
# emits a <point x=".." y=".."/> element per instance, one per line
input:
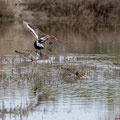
<point x="40" y="53"/>
<point x="30" y="51"/>
<point x="37" y="53"/>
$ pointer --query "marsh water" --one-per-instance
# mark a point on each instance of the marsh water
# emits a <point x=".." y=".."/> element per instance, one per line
<point x="41" y="90"/>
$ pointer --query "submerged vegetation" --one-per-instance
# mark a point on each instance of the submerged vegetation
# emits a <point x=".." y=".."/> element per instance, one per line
<point x="51" y="79"/>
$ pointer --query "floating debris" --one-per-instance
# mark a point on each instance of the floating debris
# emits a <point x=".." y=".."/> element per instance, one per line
<point x="117" y="63"/>
<point x="31" y="56"/>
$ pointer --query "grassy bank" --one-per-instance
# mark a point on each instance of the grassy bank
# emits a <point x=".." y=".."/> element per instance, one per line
<point x="78" y="8"/>
<point x="92" y="13"/>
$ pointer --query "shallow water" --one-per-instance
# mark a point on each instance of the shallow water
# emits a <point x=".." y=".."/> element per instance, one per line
<point x="95" y="96"/>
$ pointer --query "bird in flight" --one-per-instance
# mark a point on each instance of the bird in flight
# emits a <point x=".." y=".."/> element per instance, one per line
<point x="39" y="35"/>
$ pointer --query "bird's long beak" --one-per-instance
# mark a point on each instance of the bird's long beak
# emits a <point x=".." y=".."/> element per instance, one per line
<point x="56" y="38"/>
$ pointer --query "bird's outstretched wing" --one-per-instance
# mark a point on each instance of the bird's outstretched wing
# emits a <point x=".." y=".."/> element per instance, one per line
<point x="35" y="31"/>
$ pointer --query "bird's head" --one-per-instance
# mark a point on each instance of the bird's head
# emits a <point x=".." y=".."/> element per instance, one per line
<point x="78" y="73"/>
<point x="53" y="37"/>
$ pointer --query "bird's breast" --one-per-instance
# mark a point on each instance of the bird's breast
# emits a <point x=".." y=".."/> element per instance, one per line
<point x="38" y="45"/>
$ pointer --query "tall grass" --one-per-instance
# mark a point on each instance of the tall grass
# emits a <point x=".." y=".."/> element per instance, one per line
<point x="92" y="12"/>
<point x="5" y="11"/>
<point x="103" y="9"/>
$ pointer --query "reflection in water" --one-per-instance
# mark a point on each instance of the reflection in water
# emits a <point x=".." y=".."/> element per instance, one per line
<point x="42" y="90"/>
<point x="71" y="39"/>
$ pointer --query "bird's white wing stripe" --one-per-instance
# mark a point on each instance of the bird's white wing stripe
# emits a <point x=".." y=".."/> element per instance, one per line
<point x="36" y="36"/>
<point x="40" y="45"/>
<point x="43" y="38"/>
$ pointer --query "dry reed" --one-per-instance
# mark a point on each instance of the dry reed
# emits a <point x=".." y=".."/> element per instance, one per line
<point x="87" y="12"/>
<point x="101" y="10"/>
<point x="6" y="13"/>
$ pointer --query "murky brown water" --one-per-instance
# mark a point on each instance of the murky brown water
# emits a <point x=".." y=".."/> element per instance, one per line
<point x="59" y="96"/>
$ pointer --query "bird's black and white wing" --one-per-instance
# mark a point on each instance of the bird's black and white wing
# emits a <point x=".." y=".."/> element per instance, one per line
<point x="35" y="32"/>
